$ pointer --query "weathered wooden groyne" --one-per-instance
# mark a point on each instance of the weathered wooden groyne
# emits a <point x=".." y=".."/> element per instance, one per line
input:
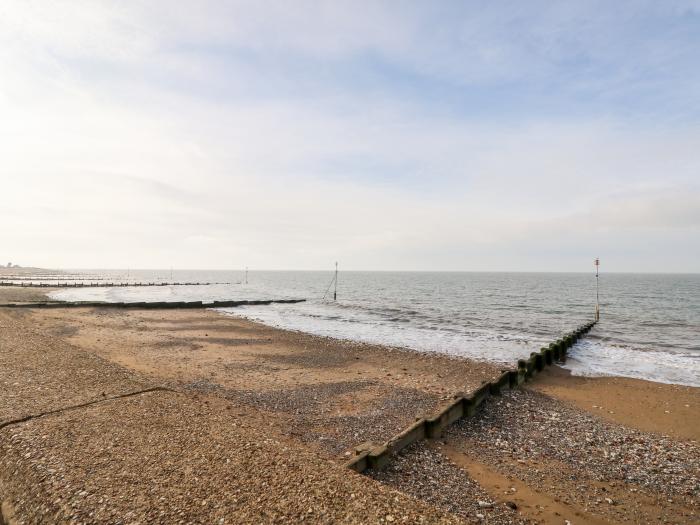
<point x="99" y="284"/>
<point x="50" y="278"/>
<point x="466" y="405"/>
<point x="150" y="304"/>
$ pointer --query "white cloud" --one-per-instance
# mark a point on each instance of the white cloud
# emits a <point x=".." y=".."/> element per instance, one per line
<point x="101" y="167"/>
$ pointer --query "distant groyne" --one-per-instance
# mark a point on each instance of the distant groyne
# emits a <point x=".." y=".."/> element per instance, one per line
<point x="98" y="284"/>
<point x="150" y="304"/>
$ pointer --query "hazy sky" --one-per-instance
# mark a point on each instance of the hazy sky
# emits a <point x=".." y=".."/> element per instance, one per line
<point x="385" y="135"/>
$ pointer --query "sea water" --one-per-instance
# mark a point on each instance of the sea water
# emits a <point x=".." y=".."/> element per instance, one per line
<point x="649" y="326"/>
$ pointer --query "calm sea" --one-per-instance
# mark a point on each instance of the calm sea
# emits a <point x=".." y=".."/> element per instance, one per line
<point x="649" y="328"/>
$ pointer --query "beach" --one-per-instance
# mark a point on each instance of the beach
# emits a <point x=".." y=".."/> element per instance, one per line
<point x="194" y="416"/>
<point x="340" y="262"/>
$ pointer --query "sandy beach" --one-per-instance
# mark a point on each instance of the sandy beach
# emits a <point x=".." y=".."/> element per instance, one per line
<point x="176" y="416"/>
<point x="349" y="263"/>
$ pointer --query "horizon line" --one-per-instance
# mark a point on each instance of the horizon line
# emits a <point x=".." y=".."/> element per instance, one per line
<point x="332" y="269"/>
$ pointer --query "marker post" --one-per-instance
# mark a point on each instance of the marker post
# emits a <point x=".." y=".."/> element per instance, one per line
<point x="597" y="293"/>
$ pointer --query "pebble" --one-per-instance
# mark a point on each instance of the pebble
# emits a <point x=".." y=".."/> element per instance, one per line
<point x="583" y="451"/>
<point x="428" y="475"/>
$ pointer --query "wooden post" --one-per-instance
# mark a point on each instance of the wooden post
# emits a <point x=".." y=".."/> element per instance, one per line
<point x="597" y="295"/>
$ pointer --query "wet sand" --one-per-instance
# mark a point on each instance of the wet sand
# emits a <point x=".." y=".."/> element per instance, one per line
<point x="282" y="407"/>
<point x="649" y="406"/>
<point x="332" y="394"/>
<point x="11" y="294"/>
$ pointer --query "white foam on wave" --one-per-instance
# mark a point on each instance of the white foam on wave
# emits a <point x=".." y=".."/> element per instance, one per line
<point x="81" y="294"/>
<point x="133" y="294"/>
<point x="587" y="358"/>
<point x="362" y="326"/>
<point x="595" y="359"/>
<point x="427" y="333"/>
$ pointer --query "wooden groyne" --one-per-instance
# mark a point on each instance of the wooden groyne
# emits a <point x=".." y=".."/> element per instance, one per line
<point x="98" y="284"/>
<point x="150" y="304"/>
<point x="50" y="278"/>
<point x="466" y="405"/>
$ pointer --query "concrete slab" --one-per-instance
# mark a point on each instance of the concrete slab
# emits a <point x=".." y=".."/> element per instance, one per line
<point x="39" y="373"/>
<point x="166" y="457"/>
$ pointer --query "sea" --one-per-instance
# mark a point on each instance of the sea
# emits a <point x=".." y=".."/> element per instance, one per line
<point x="649" y="324"/>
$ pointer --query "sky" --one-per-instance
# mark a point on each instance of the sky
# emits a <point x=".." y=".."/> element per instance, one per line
<point x="386" y="135"/>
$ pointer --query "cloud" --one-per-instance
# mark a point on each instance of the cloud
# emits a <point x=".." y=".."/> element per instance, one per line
<point x="292" y="135"/>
